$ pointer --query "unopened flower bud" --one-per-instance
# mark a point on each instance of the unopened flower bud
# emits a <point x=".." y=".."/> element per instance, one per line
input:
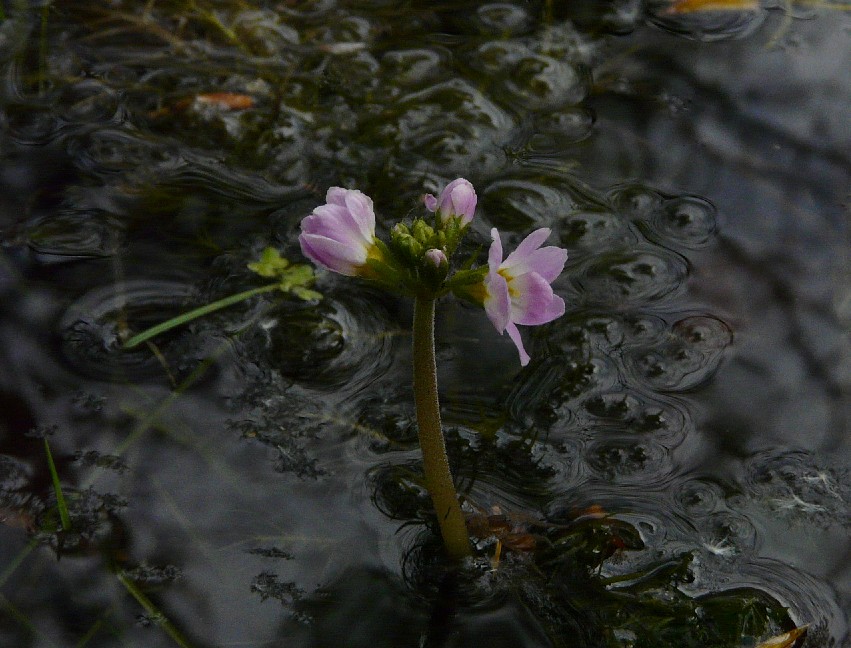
<point x="436" y="257"/>
<point x="457" y="200"/>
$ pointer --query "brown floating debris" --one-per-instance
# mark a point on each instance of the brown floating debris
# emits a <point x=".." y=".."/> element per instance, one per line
<point x="785" y="640"/>
<point x="220" y="100"/>
<point x="691" y="6"/>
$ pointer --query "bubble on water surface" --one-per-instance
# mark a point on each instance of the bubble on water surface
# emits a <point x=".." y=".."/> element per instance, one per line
<point x="635" y="413"/>
<point x="529" y="79"/>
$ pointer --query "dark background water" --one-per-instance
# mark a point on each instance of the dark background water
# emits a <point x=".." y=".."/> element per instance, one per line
<point x="677" y="450"/>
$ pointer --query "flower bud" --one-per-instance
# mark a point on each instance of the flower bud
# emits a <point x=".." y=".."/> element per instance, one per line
<point x="436" y="257"/>
<point x="457" y="200"/>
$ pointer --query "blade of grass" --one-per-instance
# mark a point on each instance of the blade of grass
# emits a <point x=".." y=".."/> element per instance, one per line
<point x="20" y="617"/>
<point x="146" y="335"/>
<point x="96" y="626"/>
<point x="17" y="560"/>
<point x="57" y="487"/>
<point x="152" y="609"/>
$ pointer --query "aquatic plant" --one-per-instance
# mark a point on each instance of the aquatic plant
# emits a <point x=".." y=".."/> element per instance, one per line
<point x="340" y="236"/>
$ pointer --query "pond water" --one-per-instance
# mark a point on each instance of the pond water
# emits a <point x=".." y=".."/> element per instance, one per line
<point x="671" y="469"/>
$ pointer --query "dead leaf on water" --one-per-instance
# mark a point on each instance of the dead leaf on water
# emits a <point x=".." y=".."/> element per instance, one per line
<point x="691" y="6"/>
<point x="226" y="100"/>
<point x="220" y="100"/>
<point x="785" y="640"/>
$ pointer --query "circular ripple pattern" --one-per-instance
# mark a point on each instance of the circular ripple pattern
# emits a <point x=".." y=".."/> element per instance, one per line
<point x="391" y="100"/>
<point x="632" y="278"/>
<point x="628" y="460"/>
<point x="91" y="335"/>
<point x="338" y="346"/>
<point x="685" y="358"/>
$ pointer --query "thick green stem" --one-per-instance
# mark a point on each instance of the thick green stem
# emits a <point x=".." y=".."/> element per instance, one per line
<point x="437" y="475"/>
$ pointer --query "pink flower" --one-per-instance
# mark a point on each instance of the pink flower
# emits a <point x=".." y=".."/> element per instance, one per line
<point x="340" y="235"/>
<point x="457" y="200"/>
<point x="518" y="289"/>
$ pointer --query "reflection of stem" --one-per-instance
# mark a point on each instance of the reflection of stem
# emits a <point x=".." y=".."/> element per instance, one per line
<point x="435" y="463"/>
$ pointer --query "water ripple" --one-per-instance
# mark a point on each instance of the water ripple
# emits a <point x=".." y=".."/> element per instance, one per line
<point x="706" y="25"/>
<point x="338" y="347"/>
<point x="685" y="358"/>
<point x="90" y="330"/>
<point x="631" y="277"/>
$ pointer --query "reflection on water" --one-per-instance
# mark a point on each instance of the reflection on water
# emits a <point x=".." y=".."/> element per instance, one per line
<point x="671" y="469"/>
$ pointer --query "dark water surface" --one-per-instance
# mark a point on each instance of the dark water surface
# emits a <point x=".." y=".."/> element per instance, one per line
<point x="672" y="468"/>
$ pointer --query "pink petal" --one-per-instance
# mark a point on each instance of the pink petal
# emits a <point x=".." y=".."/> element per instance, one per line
<point x="552" y="310"/>
<point x="336" y="196"/>
<point x="495" y="252"/>
<point x="531" y="296"/>
<point x="328" y="220"/>
<point x="547" y="262"/>
<point x="430" y="202"/>
<point x="362" y="213"/>
<point x="335" y="223"/>
<point x="527" y="246"/>
<point x="463" y="199"/>
<point x="332" y="254"/>
<point x="514" y="334"/>
<point x="497" y="303"/>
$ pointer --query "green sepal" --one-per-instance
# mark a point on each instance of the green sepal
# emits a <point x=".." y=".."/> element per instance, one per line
<point x="467" y="277"/>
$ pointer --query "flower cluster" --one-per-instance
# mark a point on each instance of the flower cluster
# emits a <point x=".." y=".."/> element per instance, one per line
<point x="340" y="236"/>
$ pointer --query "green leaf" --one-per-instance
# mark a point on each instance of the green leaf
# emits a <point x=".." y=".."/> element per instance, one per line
<point x="271" y="263"/>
